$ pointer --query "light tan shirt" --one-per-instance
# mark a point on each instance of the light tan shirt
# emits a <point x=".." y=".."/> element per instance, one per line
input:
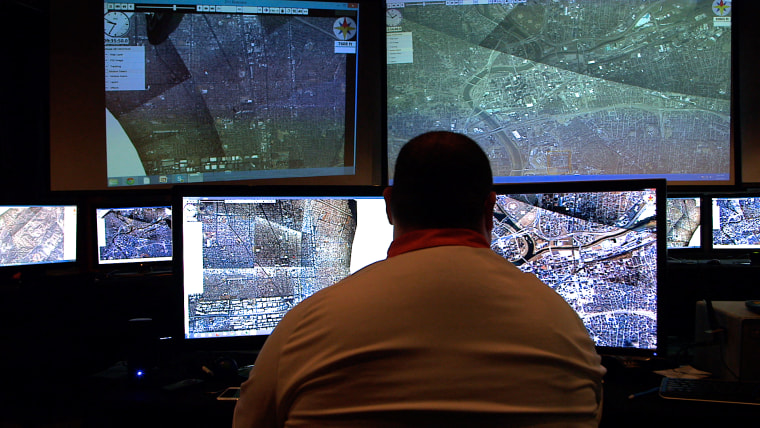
<point x="448" y="336"/>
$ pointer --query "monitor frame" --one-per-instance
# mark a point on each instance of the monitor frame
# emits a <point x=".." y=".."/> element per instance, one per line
<point x="739" y="254"/>
<point x="702" y="249"/>
<point x="119" y="199"/>
<point x="77" y="113"/>
<point x="682" y="180"/>
<point x="659" y="185"/>
<point x="18" y="271"/>
<point x="246" y="342"/>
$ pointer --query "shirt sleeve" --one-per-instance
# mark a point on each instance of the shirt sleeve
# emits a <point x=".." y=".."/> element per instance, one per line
<point x="257" y="405"/>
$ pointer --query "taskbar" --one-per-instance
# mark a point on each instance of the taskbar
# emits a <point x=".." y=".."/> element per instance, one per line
<point x="705" y="178"/>
<point x="207" y="177"/>
<point x="235" y="333"/>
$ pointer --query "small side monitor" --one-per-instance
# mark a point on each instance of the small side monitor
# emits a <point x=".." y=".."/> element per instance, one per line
<point x="133" y="234"/>
<point x="38" y="235"/>
<point x="684" y="223"/>
<point x="736" y="223"/>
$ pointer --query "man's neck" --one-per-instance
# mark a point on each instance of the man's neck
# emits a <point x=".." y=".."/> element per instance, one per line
<point x="427" y="238"/>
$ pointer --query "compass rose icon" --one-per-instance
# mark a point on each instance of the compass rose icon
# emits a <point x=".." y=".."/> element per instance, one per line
<point x="721" y="7"/>
<point x="344" y="28"/>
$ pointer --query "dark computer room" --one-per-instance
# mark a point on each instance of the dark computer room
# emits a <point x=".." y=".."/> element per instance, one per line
<point x="380" y="213"/>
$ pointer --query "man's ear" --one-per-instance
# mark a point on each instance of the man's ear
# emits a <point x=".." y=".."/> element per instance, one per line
<point x="387" y="192"/>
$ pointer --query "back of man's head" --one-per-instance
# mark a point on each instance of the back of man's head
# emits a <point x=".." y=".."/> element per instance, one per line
<point x="441" y="180"/>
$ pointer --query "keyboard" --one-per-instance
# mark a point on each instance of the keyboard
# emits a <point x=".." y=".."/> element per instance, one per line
<point x="722" y="391"/>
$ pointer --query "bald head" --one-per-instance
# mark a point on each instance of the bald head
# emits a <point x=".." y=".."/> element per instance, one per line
<point x="441" y="180"/>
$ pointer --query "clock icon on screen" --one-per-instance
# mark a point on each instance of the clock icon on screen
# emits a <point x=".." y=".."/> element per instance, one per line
<point x="392" y="17"/>
<point x="116" y="24"/>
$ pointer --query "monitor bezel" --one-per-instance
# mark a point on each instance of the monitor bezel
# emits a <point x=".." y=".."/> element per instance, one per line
<point x="737" y="254"/>
<point x="77" y="113"/>
<point x="735" y="132"/>
<point x="248" y="342"/>
<point x="618" y="185"/>
<point x="124" y="199"/>
<point x="18" y="272"/>
<point x="690" y="252"/>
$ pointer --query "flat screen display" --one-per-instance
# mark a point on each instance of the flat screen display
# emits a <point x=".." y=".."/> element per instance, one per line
<point x="134" y="235"/>
<point x="736" y="222"/>
<point x="168" y="93"/>
<point x="568" y="90"/>
<point x="246" y="260"/>
<point x="201" y="92"/>
<point x="600" y="246"/>
<point x="38" y="234"/>
<point x="684" y="222"/>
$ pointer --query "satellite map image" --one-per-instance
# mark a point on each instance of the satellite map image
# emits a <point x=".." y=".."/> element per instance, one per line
<point x="683" y="221"/>
<point x="211" y="93"/>
<point x="597" y="250"/>
<point x="585" y="88"/>
<point x="31" y="235"/>
<point x="135" y="234"/>
<point x="261" y="259"/>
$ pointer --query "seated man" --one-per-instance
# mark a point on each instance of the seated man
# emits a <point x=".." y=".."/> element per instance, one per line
<point x="444" y="332"/>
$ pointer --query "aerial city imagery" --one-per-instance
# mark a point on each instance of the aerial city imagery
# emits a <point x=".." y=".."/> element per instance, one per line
<point x="598" y="250"/>
<point x="567" y="88"/>
<point x="259" y="259"/>
<point x="683" y="219"/>
<point x="736" y="222"/>
<point x="37" y="234"/>
<point x="132" y="235"/>
<point x="225" y="95"/>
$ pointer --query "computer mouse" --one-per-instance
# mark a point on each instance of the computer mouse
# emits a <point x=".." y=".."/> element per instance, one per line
<point x="753" y="305"/>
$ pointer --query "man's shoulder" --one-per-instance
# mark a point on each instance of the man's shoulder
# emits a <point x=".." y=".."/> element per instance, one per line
<point x="458" y="254"/>
<point x="435" y="261"/>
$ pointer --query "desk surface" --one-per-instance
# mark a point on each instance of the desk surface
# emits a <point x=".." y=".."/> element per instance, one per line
<point x="99" y="401"/>
<point x="651" y="410"/>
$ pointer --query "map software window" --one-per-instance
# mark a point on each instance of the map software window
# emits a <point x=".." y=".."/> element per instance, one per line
<point x="199" y="92"/>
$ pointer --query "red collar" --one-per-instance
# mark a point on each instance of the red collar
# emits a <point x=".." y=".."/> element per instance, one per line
<point x="427" y="238"/>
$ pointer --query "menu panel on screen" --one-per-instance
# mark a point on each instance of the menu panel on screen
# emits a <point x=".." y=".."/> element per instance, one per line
<point x="246" y="260"/>
<point x="568" y="90"/>
<point x="599" y="245"/>
<point x="37" y="234"/>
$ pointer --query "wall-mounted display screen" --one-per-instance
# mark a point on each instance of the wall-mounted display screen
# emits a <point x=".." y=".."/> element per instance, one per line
<point x="568" y="90"/>
<point x="207" y="91"/>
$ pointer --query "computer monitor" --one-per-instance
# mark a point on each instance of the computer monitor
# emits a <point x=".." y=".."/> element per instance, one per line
<point x="600" y="245"/>
<point x="684" y="223"/>
<point x="208" y="91"/>
<point x="140" y="235"/>
<point x="246" y="256"/>
<point x="735" y="223"/>
<point x="40" y="235"/>
<point x="569" y="91"/>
